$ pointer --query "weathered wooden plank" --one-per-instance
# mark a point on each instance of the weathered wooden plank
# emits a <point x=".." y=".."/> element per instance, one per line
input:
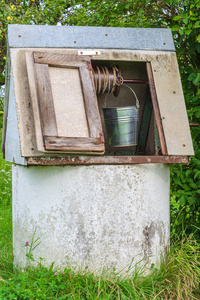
<point x="59" y="60"/>
<point x="172" y="105"/>
<point x="47" y="112"/>
<point x="34" y="99"/>
<point x="156" y="109"/>
<point x="73" y="144"/>
<point x="68" y="102"/>
<point x="91" y="106"/>
<point x="98" y="160"/>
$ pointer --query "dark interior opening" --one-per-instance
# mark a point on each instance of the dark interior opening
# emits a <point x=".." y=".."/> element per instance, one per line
<point x="148" y="141"/>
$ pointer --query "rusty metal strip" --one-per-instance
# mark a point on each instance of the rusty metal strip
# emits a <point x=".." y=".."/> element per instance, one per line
<point x="105" y="160"/>
<point x="194" y="124"/>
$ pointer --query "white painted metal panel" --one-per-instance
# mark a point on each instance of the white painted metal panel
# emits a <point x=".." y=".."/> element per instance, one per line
<point x="12" y="139"/>
<point x="90" y="37"/>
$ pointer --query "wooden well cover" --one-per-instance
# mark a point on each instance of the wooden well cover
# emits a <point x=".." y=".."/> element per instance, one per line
<point x="64" y="103"/>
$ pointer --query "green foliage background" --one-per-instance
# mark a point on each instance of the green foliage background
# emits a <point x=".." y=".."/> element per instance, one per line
<point x="183" y="17"/>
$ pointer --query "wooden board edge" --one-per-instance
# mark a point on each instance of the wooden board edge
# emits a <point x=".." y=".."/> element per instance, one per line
<point x="34" y="100"/>
<point x="60" y="60"/>
<point x="156" y="109"/>
<point x="45" y="100"/>
<point x="90" y="102"/>
<point x="73" y="144"/>
<point x="106" y="160"/>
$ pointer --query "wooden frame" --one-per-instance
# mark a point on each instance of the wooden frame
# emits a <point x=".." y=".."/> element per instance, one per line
<point x="105" y="160"/>
<point x="48" y="139"/>
<point x="156" y="109"/>
<point x="38" y="64"/>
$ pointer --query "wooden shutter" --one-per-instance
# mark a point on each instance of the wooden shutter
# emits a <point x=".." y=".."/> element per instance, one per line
<point x="64" y="103"/>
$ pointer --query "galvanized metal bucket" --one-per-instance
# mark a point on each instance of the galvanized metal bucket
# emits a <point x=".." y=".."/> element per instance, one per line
<point x="122" y="124"/>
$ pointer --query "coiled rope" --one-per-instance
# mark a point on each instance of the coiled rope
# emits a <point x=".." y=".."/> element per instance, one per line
<point x="107" y="79"/>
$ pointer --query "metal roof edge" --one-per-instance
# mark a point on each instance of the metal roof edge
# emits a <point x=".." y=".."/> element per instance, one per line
<point x="45" y="36"/>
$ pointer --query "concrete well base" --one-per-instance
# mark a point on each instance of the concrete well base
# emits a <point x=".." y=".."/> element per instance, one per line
<point x="94" y="216"/>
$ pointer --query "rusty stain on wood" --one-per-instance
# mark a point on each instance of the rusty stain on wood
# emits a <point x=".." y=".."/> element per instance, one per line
<point x="156" y="109"/>
<point x="105" y="160"/>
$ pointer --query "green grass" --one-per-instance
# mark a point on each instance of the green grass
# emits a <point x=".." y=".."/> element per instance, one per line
<point x="5" y="214"/>
<point x="177" y="278"/>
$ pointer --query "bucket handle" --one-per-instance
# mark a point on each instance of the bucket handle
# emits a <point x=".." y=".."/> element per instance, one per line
<point x="137" y="101"/>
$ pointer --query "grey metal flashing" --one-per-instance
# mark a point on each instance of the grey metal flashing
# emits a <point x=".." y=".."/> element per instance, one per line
<point x="6" y="100"/>
<point x="44" y="36"/>
<point x="12" y="140"/>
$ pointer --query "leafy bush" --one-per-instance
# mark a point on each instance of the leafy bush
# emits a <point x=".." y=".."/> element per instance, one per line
<point x="5" y="214"/>
<point x="185" y="180"/>
<point x="185" y="199"/>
